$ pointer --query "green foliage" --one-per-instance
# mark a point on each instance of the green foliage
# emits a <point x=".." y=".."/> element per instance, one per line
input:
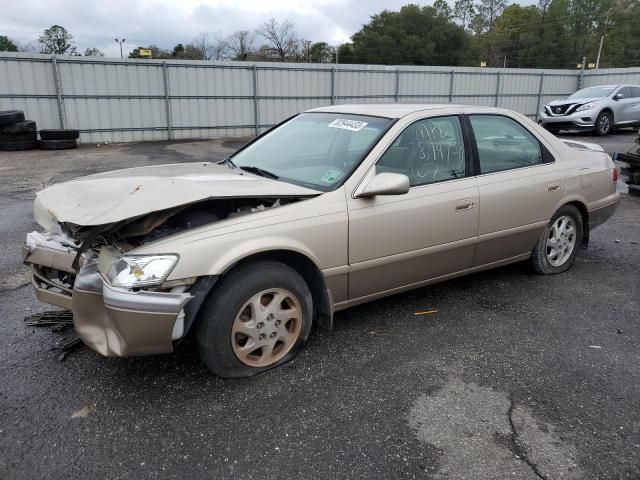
<point x="442" y="8"/>
<point x="413" y="36"/>
<point x="93" y="52"/>
<point x="463" y="12"/>
<point x="320" y="52"/>
<point x="6" y="45"/>
<point x="57" y="40"/>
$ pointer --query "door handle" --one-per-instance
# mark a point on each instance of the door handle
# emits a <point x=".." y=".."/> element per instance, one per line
<point x="465" y="204"/>
<point x="553" y="188"/>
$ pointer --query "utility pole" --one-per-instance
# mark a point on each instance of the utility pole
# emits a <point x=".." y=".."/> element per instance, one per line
<point x="604" y="31"/>
<point x="120" y="42"/>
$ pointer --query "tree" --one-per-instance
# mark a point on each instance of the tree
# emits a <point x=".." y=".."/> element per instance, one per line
<point x="280" y="37"/>
<point x="413" y="36"/>
<point x="240" y="44"/>
<point x="6" y="45"/>
<point x="344" y="53"/>
<point x="57" y="40"/>
<point x="178" y="50"/>
<point x="463" y="11"/>
<point x="487" y="13"/>
<point x="443" y="8"/>
<point x="320" y="52"/>
<point x="93" y="52"/>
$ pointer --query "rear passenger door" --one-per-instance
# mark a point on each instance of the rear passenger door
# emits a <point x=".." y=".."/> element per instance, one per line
<point x="519" y="187"/>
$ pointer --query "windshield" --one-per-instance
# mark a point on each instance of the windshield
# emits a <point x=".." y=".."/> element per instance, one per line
<point x="315" y="150"/>
<point x="592" y="92"/>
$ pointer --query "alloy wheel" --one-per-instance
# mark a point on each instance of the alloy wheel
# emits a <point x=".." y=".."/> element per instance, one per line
<point x="561" y="240"/>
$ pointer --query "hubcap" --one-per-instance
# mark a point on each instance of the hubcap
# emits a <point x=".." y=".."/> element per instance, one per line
<point x="266" y="327"/>
<point x="561" y="240"/>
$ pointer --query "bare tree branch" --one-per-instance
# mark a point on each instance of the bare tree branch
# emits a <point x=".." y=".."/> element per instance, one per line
<point x="280" y="36"/>
<point x="241" y="44"/>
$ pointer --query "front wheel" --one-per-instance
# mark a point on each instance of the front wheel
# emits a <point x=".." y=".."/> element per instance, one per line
<point x="256" y="318"/>
<point x="558" y="245"/>
<point x="604" y="123"/>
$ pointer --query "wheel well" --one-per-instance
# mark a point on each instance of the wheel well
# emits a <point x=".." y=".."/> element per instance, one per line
<point x="311" y="275"/>
<point x="585" y="221"/>
<point x="607" y="109"/>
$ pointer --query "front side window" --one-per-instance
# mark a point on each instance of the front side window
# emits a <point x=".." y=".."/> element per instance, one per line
<point x="635" y="92"/>
<point x="427" y="151"/>
<point x="626" y="91"/>
<point x="504" y="144"/>
<point x="315" y="150"/>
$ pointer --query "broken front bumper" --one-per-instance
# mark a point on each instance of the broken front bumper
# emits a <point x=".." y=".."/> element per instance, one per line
<point x="111" y="321"/>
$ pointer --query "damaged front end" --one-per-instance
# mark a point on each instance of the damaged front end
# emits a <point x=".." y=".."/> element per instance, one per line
<point x="122" y="303"/>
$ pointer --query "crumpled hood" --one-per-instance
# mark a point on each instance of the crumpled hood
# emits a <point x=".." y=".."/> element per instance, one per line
<point x="111" y="197"/>
<point x="581" y="101"/>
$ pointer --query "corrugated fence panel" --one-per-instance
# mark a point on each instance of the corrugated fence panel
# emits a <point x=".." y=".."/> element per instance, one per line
<point x="113" y="100"/>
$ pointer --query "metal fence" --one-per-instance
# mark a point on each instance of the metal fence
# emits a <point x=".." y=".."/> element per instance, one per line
<point x="133" y="100"/>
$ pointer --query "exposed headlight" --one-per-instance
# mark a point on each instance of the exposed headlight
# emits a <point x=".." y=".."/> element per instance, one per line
<point x="586" y="106"/>
<point x="141" y="271"/>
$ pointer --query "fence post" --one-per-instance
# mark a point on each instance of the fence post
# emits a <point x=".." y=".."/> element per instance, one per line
<point x="167" y="101"/>
<point x="581" y="76"/>
<point x="540" y="93"/>
<point x="256" y="111"/>
<point x="498" y="88"/>
<point x="57" y="81"/>
<point x="453" y="72"/>
<point x="397" y="85"/>
<point x="333" y="85"/>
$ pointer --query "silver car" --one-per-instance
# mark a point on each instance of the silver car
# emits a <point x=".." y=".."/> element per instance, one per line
<point x="600" y="108"/>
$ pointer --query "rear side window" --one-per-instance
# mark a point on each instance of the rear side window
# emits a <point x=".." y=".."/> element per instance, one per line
<point x="504" y="144"/>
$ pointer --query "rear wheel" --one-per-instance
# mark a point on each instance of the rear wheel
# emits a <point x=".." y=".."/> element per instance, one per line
<point x="258" y="317"/>
<point x="558" y="245"/>
<point x="604" y="123"/>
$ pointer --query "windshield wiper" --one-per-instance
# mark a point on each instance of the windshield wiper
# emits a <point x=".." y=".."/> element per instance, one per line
<point x="260" y="171"/>
<point x="228" y="161"/>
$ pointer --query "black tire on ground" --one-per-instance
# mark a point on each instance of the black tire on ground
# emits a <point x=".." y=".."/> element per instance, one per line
<point x="20" y="127"/>
<point x="12" y="137"/>
<point x="14" y="145"/>
<point x="59" y="134"/>
<point x="218" y="314"/>
<point x="57" y="144"/>
<point x="11" y="116"/>
<point x="539" y="258"/>
<point x="604" y="123"/>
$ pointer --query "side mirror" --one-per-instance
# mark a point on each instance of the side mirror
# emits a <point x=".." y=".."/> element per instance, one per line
<point x="385" y="183"/>
<point x="618" y="96"/>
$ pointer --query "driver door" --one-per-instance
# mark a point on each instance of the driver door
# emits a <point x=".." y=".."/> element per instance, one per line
<point x="401" y="241"/>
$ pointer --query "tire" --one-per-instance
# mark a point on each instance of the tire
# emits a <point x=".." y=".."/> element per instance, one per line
<point x="57" y="144"/>
<point x="553" y="131"/>
<point x="604" y="123"/>
<point x="20" y="127"/>
<point x="14" y="145"/>
<point x="543" y="259"/>
<point x="11" y="116"/>
<point x="12" y="137"/>
<point x="219" y="328"/>
<point x="60" y="134"/>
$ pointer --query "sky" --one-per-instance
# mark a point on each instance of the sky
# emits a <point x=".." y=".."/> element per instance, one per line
<point x="95" y="23"/>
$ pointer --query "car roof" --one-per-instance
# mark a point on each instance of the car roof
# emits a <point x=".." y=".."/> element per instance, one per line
<point x="389" y="110"/>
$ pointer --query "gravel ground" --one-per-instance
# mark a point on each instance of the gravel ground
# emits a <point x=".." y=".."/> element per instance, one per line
<point x="516" y="375"/>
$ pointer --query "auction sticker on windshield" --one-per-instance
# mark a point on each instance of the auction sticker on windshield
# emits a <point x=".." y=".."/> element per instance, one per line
<point x="346" y="124"/>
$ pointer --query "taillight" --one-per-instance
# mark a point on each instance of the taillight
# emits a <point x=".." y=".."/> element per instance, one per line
<point x="614" y="174"/>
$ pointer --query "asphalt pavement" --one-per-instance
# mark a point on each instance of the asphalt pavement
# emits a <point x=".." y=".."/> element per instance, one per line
<point x="515" y="376"/>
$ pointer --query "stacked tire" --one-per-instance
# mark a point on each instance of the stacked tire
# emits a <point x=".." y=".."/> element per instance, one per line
<point x="61" y="139"/>
<point x="16" y="133"/>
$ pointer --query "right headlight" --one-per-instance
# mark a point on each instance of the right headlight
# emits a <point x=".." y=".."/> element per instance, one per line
<point x="586" y="106"/>
<point x="133" y="271"/>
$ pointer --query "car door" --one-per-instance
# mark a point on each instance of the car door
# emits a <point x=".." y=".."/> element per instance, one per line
<point x="625" y="107"/>
<point x="399" y="241"/>
<point x="635" y="107"/>
<point x="519" y="188"/>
